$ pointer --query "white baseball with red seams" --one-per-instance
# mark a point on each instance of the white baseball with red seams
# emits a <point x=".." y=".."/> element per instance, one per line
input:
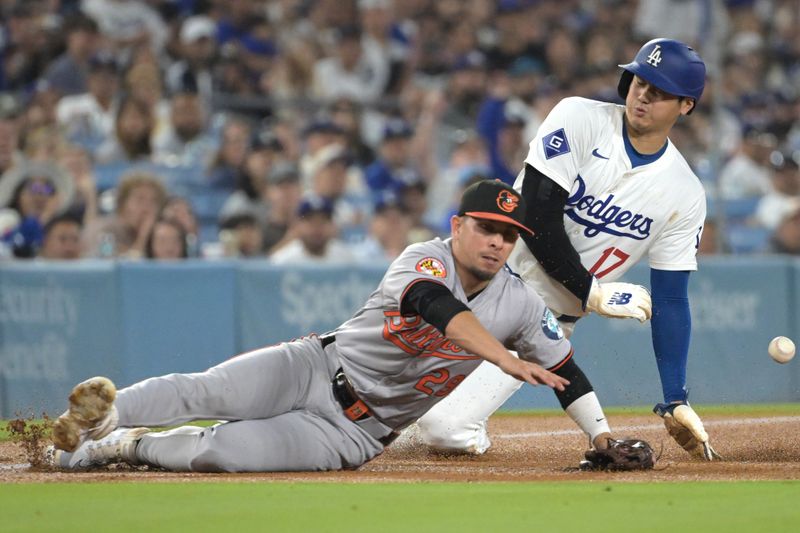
<point x="781" y="349"/>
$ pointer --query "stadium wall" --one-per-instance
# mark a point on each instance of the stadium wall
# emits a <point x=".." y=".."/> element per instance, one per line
<point x="62" y="323"/>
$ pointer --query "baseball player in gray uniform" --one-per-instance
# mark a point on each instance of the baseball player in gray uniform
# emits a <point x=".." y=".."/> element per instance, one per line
<point x="335" y="401"/>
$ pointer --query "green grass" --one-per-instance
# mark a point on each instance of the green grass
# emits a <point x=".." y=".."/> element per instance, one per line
<point x="709" y="507"/>
<point x="491" y="507"/>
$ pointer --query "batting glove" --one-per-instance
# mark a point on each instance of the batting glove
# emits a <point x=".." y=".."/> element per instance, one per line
<point x="619" y="300"/>
<point x="687" y="429"/>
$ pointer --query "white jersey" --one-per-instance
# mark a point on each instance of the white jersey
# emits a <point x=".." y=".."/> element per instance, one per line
<point x="616" y="214"/>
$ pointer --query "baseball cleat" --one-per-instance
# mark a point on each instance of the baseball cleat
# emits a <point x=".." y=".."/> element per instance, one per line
<point x="91" y="414"/>
<point x="118" y="446"/>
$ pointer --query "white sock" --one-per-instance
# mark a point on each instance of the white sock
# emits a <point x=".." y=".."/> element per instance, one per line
<point x="587" y="413"/>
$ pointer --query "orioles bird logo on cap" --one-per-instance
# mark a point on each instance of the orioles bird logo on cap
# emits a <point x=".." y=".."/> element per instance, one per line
<point x="507" y="202"/>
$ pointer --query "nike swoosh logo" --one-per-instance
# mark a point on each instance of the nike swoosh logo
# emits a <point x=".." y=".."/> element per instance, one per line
<point x="599" y="419"/>
<point x="597" y="154"/>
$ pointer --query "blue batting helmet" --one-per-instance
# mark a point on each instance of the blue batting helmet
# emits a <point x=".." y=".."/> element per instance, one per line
<point x="672" y="66"/>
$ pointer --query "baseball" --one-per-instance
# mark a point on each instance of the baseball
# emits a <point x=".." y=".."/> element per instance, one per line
<point x="781" y="349"/>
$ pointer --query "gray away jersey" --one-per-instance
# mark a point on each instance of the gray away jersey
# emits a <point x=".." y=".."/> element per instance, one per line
<point x="401" y="365"/>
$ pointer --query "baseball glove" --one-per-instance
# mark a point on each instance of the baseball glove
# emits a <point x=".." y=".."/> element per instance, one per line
<point x="624" y="454"/>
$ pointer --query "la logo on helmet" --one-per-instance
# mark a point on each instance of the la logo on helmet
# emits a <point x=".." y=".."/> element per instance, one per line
<point x="655" y="56"/>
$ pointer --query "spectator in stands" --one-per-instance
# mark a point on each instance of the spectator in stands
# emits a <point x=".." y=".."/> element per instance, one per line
<point x="283" y="196"/>
<point x="143" y="82"/>
<point x="406" y="156"/>
<point x="460" y="41"/>
<point x="227" y="165"/>
<point x="389" y="231"/>
<point x="166" y="241"/>
<point x="352" y="72"/>
<point x="319" y="133"/>
<point x="128" y="24"/>
<point x="186" y="141"/>
<point x="346" y="114"/>
<point x="178" y="209"/>
<point x="139" y="199"/>
<point x="246" y="235"/>
<point x="314" y="237"/>
<point x="69" y="73"/>
<point x="88" y="118"/>
<point x="382" y="37"/>
<point x="784" y="196"/>
<point x="230" y="75"/>
<point x="133" y="128"/>
<point x="77" y="163"/>
<point x="393" y="165"/>
<point x="514" y="35"/>
<point x="250" y="194"/>
<point x="786" y="238"/>
<point x="258" y="51"/>
<point x="413" y="194"/>
<point x="41" y="108"/>
<point x="746" y="174"/>
<point x="193" y="68"/>
<point x="501" y="123"/>
<point x="467" y="157"/>
<point x="331" y="179"/>
<point x="292" y="74"/>
<point x="10" y="155"/>
<point x="62" y="238"/>
<point x="22" y="47"/>
<point x="563" y="56"/>
<point x="32" y="194"/>
<point x="42" y="144"/>
<point x="466" y="88"/>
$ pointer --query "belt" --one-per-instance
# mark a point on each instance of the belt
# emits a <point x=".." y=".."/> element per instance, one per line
<point x="357" y="411"/>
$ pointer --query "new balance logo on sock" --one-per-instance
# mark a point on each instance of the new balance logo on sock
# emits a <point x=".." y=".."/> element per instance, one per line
<point x="620" y="298"/>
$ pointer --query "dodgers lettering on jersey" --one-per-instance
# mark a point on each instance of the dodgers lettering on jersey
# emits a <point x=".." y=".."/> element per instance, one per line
<point x="401" y="365"/>
<point x="603" y="215"/>
<point x="615" y="214"/>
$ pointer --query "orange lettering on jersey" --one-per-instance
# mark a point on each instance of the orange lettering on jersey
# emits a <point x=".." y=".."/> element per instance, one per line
<point x="416" y="337"/>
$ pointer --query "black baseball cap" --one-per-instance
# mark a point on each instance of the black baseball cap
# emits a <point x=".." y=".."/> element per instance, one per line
<point x="494" y="200"/>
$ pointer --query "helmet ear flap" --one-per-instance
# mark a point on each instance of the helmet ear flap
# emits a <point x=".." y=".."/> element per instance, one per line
<point x="624" y="84"/>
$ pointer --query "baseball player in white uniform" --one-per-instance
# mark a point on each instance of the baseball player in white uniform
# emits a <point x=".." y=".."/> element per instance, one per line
<point x="605" y="188"/>
<point x="334" y="401"/>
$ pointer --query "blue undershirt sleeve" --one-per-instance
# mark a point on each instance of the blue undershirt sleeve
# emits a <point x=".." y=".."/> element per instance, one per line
<point x="671" y="330"/>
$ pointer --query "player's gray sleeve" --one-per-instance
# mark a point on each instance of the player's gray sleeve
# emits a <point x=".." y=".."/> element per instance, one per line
<point x="540" y="338"/>
<point x="430" y="261"/>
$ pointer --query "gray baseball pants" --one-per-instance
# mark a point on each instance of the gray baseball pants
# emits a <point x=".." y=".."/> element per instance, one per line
<point x="281" y="411"/>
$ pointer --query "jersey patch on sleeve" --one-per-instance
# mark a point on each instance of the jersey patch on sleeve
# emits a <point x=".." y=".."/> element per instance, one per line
<point x="551" y="327"/>
<point x="432" y="267"/>
<point x="555" y="144"/>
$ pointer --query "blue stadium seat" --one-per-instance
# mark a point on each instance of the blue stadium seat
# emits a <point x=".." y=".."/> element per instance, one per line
<point x="207" y="204"/>
<point x="741" y="209"/>
<point x="744" y="239"/>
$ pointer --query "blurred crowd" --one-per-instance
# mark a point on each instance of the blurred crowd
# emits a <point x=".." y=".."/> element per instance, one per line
<point x="335" y="131"/>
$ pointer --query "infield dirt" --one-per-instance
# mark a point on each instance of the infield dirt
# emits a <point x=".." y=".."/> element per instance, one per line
<point x="525" y="448"/>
